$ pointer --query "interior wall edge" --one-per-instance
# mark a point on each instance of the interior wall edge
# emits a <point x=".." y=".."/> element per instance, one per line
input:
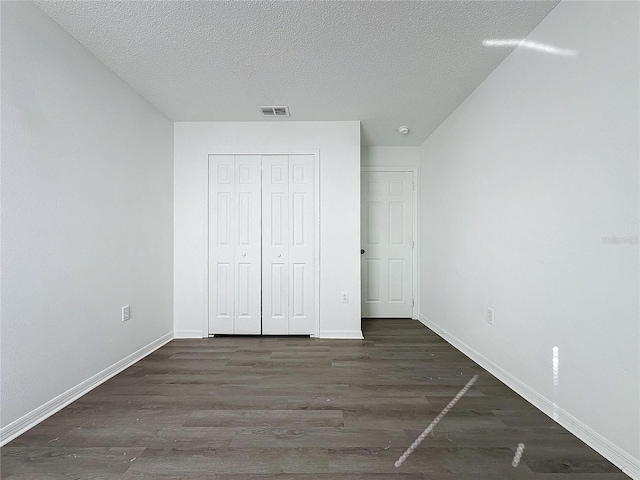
<point x="600" y="444"/>
<point x="44" y="411"/>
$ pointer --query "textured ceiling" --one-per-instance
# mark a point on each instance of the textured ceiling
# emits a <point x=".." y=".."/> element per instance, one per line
<point x="384" y="63"/>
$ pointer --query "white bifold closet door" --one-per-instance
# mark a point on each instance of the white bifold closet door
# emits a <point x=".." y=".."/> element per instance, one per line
<point x="261" y="244"/>
<point x="234" y="244"/>
<point x="287" y="245"/>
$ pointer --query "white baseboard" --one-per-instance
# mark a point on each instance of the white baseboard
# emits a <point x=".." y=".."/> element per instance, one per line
<point x="31" y="419"/>
<point x="188" y="334"/>
<point x="341" y="334"/>
<point x="613" y="453"/>
<point x="326" y="334"/>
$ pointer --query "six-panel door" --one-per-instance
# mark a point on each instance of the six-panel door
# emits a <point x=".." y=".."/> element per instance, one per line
<point x="387" y="241"/>
<point x="261" y="244"/>
<point x="234" y="244"/>
<point x="287" y="245"/>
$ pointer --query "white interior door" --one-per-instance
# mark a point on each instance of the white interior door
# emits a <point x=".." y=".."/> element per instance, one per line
<point x="287" y="245"/>
<point x="234" y="244"/>
<point x="261" y="244"/>
<point x="387" y="241"/>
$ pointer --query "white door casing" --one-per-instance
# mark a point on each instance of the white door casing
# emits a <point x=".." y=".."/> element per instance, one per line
<point x="262" y="250"/>
<point x="388" y="242"/>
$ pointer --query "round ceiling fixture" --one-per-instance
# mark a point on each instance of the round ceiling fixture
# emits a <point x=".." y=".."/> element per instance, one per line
<point x="403" y="130"/>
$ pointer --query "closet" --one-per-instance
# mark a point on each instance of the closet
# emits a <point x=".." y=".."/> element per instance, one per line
<point x="262" y="250"/>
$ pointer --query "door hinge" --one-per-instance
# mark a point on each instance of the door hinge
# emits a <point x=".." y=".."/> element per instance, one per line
<point x="413" y="244"/>
<point x="413" y="302"/>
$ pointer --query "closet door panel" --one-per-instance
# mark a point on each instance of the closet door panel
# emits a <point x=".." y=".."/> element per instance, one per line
<point x="275" y="234"/>
<point x="248" y="246"/>
<point x="301" y="245"/>
<point x="221" y="244"/>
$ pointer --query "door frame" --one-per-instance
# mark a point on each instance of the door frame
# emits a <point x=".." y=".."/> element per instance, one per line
<point x="415" y="258"/>
<point x="316" y="246"/>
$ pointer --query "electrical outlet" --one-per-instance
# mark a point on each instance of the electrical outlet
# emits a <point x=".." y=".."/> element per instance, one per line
<point x="345" y="297"/>
<point x="126" y="313"/>
<point x="491" y="316"/>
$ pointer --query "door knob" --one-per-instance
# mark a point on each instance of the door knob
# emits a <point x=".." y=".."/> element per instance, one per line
<point x="279" y="255"/>
<point x="244" y="254"/>
<point x="361" y="251"/>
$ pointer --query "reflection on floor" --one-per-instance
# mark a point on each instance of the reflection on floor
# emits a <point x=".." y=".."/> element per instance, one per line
<point x="300" y="408"/>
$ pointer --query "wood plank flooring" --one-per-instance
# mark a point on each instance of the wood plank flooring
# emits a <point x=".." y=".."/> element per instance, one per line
<point x="286" y="408"/>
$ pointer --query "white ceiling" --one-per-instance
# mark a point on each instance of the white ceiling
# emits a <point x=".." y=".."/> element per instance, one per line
<point x="384" y="63"/>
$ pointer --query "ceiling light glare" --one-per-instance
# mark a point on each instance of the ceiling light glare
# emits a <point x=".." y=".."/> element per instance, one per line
<point x="537" y="46"/>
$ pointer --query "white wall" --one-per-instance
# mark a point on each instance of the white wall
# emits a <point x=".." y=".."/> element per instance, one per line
<point x="390" y="156"/>
<point x="520" y="185"/>
<point x="339" y="146"/>
<point x="87" y="195"/>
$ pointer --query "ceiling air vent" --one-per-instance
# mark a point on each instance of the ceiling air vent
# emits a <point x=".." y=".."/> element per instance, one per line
<point x="280" y="111"/>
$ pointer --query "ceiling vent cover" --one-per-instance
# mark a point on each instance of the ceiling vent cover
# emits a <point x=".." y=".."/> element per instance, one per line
<point x="279" y="111"/>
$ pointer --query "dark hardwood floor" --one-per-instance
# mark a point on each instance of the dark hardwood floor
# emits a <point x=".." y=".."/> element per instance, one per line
<point x="299" y="408"/>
